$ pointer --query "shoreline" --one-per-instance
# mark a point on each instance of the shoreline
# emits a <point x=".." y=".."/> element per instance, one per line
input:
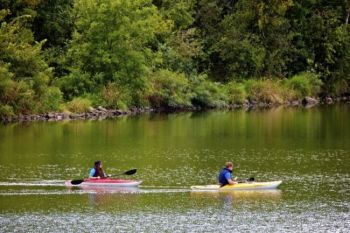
<point x="101" y="113"/>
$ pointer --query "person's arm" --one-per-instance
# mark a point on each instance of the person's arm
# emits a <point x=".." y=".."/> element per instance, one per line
<point x="229" y="179"/>
<point x="92" y="173"/>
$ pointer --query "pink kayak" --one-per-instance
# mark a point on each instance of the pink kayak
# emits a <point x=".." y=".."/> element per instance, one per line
<point x="109" y="182"/>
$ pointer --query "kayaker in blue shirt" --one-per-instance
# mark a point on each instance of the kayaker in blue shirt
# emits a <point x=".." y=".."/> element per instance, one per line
<point x="225" y="176"/>
<point x="97" y="171"/>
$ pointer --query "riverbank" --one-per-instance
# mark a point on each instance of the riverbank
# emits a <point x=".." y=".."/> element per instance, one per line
<point x="101" y="113"/>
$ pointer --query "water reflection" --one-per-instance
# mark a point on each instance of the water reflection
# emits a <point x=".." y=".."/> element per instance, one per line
<point x="105" y="199"/>
<point x="308" y="149"/>
<point x="240" y="194"/>
<point x="104" y="195"/>
<point x="230" y="198"/>
<point x="104" y="190"/>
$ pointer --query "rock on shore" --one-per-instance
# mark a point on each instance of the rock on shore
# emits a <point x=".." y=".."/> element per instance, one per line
<point x="103" y="113"/>
<point x="309" y="101"/>
<point x="92" y="113"/>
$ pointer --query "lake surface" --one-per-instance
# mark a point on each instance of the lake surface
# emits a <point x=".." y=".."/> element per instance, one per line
<point x="309" y="149"/>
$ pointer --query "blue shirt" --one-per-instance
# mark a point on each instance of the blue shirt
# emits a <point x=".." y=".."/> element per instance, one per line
<point x="228" y="175"/>
<point x="92" y="172"/>
<point x="224" y="176"/>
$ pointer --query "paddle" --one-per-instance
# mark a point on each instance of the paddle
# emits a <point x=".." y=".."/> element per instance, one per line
<point x="130" y="172"/>
<point x="251" y="179"/>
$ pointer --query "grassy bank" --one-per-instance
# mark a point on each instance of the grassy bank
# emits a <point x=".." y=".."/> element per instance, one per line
<point x="170" y="92"/>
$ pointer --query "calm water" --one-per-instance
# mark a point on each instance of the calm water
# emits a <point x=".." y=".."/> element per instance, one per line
<point x="309" y="149"/>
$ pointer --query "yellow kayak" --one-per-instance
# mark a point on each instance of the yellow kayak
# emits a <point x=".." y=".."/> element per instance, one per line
<point x="239" y="186"/>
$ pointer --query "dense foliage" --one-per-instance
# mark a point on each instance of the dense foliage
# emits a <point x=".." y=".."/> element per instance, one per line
<point x="73" y="54"/>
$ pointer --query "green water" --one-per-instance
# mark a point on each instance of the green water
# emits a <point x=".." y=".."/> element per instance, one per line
<point x="309" y="149"/>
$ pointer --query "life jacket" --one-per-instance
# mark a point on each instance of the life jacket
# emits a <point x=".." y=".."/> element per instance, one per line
<point x="97" y="173"/>
<point x="222" y="180"/>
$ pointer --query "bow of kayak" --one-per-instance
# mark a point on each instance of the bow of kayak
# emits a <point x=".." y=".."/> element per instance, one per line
<point x="108" y="182"/>
<point x="239" y="186"/>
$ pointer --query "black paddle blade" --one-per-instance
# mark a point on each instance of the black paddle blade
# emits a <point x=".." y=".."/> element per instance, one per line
<point x="130" y="172"/>
<point x="76" y="182"/>
<point x="251" y="179"/>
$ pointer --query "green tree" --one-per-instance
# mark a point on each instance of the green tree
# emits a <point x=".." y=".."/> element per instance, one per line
<point x="170" y="90"/>
<point x="256" y="39"/>
<point x="53" y="22"/>
<point x="321" y="38"/>
<point x="112" y="43"/>
<point x="25" y="76"/>
<point x="209" y="14"/>
<point x="181" y="12"/>
<point x="181" y="46"/>
<point x="18" y="8"/>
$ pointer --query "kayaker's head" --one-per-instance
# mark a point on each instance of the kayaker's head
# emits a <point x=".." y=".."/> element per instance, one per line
<point x="98" y="164"/>
<point x="229" y="165"/>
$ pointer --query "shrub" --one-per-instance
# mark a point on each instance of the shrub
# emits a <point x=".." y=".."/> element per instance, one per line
<point x="75" y="84"/>
<point x="138" y="98"/>
<point x="341" y="87"/>
<point x="51" y="100"/>
<point x="18" y="95"/>
<point x="235" y="92"/>
<point x="288" y="94"/>
<point x="95" y="99"/>
<point x="79" y="105"/>
<point x="6" y="111"/>
<point x="115" y="96"/>
<point x="265" y="91"/>
<point x="207" y="94"/>
<point x="169" y="90"/>
<point x="304" y="84"/>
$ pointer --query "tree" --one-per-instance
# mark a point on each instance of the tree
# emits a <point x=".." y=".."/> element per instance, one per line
<point x="53" y="22"/>
<point x="112" y="43"/>
<point x="18" y="8"/>
<point x="209" y="15"/>
<point x="325" y="36"/>
<point x="256" y="39"/>
<point x="181" y="46"/>
<point x="24" y="75"/>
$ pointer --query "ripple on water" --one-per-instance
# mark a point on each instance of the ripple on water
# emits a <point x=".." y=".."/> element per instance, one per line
<point x="203" y="220"/>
